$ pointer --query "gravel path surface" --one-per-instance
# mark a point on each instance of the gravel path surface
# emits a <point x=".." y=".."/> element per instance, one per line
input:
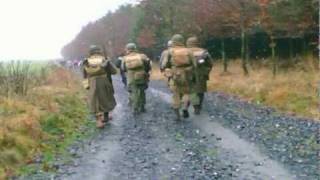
<point x="230" y="140"/>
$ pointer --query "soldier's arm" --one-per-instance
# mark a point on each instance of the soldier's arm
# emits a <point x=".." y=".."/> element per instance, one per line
<point x="164" y="56"/>
<point x="209" y="58"/>
<point x="147" y="63"/>
<point x="118" y="62"/>
<point x="123" y="65"/>
<point x="166" y="64"/>
<point x="84" y="72"/>
<point x="112" y="68"/>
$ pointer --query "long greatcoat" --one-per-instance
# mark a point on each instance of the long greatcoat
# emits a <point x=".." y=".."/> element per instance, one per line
<point x="100" y="93"/>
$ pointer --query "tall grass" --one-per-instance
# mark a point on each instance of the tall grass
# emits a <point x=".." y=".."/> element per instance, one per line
<point x="295" y="90"/>
<point x="43" y="118"/>
<point x="17" y="77"/>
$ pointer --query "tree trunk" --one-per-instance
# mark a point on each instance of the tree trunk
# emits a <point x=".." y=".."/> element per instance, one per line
<point x="243" y="52"/>
<point x="274" y="59"/>
<point x="291" y="52"/>
<point x="223" y="54"/>
<point x="247" y="50"/>
<point x="304" y="46"/>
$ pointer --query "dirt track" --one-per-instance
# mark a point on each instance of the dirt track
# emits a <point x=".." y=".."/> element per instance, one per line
<point x="228" y="141"/>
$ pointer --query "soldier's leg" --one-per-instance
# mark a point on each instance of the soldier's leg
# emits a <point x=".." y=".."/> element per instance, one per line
<point x="135" y="99"/>
<point x="176" y="103"/>
<point x="195" y="101"/>
<point x="130" y="95"/>
<point x="201" y="98"/>
<point x="186" y="104"/>
<point x="99" y="120"/>
<point x="140" y="99"/>
<point x="106" y="117"/>
<point x="143" y="99"/>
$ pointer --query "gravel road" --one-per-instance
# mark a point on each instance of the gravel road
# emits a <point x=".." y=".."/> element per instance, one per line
<point x="231" y="139"/>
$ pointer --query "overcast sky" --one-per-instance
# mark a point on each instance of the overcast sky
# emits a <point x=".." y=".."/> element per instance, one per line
<point x="38" y="29"/>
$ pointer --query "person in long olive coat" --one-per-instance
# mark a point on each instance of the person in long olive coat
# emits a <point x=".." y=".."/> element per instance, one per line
<point x="97" y="71"/>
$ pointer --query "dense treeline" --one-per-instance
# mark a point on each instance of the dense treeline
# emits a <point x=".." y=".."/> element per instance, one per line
<point x="249" y="29"/>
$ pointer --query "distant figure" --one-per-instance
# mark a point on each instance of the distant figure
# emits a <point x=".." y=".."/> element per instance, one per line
<point x="137" y="67"/>
<point x="204" y="65"/>
<point x="181" y="63"/>
<point x="122" y="73"/>
<point x="96" y="71"/>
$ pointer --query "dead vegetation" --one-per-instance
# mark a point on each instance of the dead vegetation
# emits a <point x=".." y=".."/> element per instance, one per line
<point x="25" y="108"/>
<point x="294" y="90"/>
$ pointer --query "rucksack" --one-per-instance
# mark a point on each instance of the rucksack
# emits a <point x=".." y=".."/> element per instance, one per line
<point x="180" y="57"/>
<point x="182" y="66"/>
<point x="136" y="67"/>
<point x="134" y="62"/>
<point x="94" y="66"/>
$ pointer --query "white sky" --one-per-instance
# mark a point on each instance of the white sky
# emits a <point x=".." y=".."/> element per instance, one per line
<point x="38" y="29"/>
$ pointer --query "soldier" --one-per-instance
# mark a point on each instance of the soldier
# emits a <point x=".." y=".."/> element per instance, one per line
<point x="96" y="71"/>
<point x="122" y="73"/>
<point x="137" y="67"/>
<point x="204" y="65"/>
<point x="164" y="55"/>
<point x="181" y="63"/>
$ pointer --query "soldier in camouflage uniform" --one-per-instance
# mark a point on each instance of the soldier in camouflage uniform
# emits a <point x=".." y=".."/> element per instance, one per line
<point x="97" y="71"/>
<point x="137" y="66"/>
<point x="204" y="65"/>
<point x="164" y="55"/>
<point x="181" y="63"/>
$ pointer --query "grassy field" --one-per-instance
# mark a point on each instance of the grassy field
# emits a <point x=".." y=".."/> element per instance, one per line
<point x="45" y="121"/>
<point x="294" y="91"/>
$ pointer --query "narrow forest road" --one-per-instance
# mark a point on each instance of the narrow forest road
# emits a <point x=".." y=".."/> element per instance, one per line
<point x="222" y="143"/>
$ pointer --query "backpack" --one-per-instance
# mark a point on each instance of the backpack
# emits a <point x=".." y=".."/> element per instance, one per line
<point x="93" y="67"/>
<point x="134" y="62"/>
<point x="182" y="66"/>
<point x="180" y="57"/>
<point x="136" y="68"/>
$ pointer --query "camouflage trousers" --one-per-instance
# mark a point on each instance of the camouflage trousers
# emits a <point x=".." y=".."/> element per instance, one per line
<point x="181" y="99"/>
<point x="137" y="97"/>
<point x="196" y="99"/>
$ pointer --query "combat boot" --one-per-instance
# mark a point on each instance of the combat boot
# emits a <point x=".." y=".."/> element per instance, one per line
<point x="197" y="109"/>
<point x="177" y="112"/>
<point x="106" y="117"/>
<point x="99" y="121"/>
<point x="143" y="109"/>
<point x="186" y="114"/>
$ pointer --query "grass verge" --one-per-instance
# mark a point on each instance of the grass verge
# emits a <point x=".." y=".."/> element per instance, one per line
<point x="42" y="124"/>
<point x="294" y="91"/>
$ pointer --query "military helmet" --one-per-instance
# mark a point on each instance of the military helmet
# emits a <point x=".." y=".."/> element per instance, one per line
<point x="131" y="47"/>
<point x="193" y="42"/>
<point x="177" y="39"/>
<point x="94" y="49"/>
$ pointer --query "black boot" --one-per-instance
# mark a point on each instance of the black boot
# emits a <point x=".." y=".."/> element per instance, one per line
<point x="177" y="112"/>
<point x="201" y="98"/>
<point x="143" y="109"/>
<point x="197" y="109"/>
<point x="185" y="114"/>
<point x="106" y="117"/>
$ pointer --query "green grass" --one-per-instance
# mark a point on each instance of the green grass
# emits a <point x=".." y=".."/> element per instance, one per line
<point x="63" y="129"/>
